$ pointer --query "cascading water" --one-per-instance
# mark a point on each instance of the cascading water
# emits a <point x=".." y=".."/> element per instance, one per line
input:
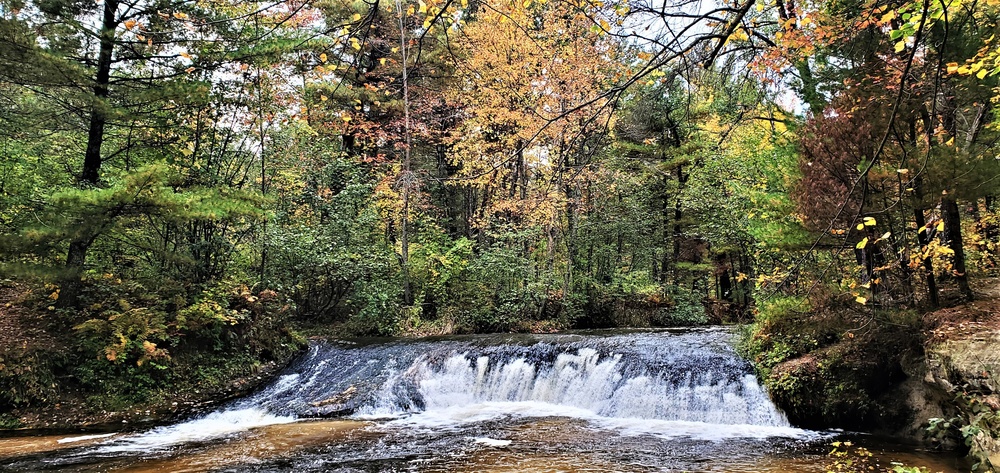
<point x="689" y="383"/>
<point x="637" y="401"/>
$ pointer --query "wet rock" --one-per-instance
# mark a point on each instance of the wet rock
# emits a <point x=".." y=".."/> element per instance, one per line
<point x="967" y="368"/>
<point x="341" y="404"/>
<point x="338" y="399"/>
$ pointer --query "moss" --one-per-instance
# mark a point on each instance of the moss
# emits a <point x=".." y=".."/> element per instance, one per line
<point x="8" y="421"/>
<point x="827" y="364"/>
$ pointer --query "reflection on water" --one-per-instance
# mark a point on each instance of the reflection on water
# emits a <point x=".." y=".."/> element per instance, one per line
<point x="17" y="446"/>
<point x="258" y="445"/>
<point x="512" y="444"/>
<point x="630" y="402"/>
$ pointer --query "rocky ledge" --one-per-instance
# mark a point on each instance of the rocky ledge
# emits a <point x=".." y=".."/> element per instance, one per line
<point x="962" y="365"/>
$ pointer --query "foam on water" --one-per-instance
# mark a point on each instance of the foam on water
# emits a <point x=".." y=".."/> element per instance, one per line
<point x="82" y="438"/>
<point x="212" y="426"/>
<point x="598" y="385"/>
<point x="491" y="442"/>
<point x="457" y="417"/>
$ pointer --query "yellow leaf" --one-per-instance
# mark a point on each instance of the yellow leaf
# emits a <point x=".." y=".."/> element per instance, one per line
<point x="323" y="98"/>
<point x="381" y="61"/>
<point x="345" y="117"/>
<point x="940" y="226"/>
<point x="604" y="25"/>
<point x="189" y="70"/>
<point x="180" y="15"/>
<point x="861" y="300"/>
<point x="465" y="3"/>
<point x="861" y="244"/>
<point x="185" y="55"/>
<point x="860" y="226"/>
<point x="129" y="24"/>
<point x="885" y="235"/>
<point x="355" y="44"/>
<point x="423" y="7"/>
<point x="356" y="17"/>
<point x="322" y="57"/>
<point x="950" y="142"/>
<point x="869" y="222"/>
<point x="982" y="73"/>
<point x="952" y="67"/>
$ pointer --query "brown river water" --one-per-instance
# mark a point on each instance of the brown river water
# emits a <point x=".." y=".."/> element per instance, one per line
<point x="644" y="401"/>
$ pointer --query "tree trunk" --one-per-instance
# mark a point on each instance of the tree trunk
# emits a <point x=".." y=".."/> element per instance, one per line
<point x="953" y="227"/>
<point x="725" y="285"/>
<point x="98" y="111"/>
<point x="665" y="213"/>
<point x="76" y="256"/>
<point x="923" y="238"/>
<point x="405" y="174"/>
<point x="678" y="214"/>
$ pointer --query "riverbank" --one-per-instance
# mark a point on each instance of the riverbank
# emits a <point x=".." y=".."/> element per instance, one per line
<point x="54" y="377"/>
<point x="928" y="377"/>
<point x="962" y="367"/>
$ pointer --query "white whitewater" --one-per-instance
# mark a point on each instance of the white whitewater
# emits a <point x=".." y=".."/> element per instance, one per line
<point x="586" y="381"/>
<point x="209" y="427"/>
<point x="688" y="384"/>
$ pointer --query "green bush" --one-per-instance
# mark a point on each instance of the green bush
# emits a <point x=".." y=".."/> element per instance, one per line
<point x="686" y="308"/>
<point x="28" y="377"/>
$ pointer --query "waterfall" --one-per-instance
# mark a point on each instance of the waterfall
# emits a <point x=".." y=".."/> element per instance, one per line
<point x="687" y="383"/>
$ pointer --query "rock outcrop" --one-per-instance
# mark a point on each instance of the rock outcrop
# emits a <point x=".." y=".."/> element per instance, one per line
<point x="966" y="366"/>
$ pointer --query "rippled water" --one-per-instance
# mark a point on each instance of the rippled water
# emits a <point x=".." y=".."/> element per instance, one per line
<point x="641" y="401"/>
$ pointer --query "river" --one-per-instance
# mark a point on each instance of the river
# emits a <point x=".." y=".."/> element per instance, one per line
<point x="635" y="401"/>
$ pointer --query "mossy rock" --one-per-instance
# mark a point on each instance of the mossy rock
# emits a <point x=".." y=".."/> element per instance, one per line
<point x="848" y="384"/>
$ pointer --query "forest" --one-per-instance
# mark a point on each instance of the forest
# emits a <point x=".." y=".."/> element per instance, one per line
<point x="188" y="188"/>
